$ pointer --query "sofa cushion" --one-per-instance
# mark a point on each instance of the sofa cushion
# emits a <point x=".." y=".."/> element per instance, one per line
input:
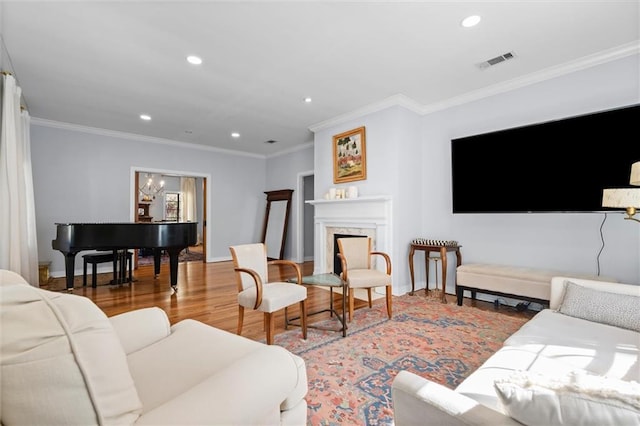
<point x="580" y="344"/>
<point x="620" y="310"/>
<point x="61" y="361"/>
<point x="578" y="398"/>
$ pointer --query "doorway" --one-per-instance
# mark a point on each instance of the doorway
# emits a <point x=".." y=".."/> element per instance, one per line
<point x="305" y="243"/>
<point x="153" y="199"/>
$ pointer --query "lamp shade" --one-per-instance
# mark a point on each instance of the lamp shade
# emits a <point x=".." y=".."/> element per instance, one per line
<point x="635" y="174"/>
<point x="621" y="197"/>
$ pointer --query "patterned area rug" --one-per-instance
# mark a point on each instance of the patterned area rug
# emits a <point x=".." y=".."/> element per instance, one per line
<point x="350" y="378"/>
<point x="191" y="256"/>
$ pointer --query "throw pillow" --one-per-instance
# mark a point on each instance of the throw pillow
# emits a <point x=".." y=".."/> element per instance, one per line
<point x="577" y="399"/>
<point x="61" y="361"/>
<point x="620" y="310"/>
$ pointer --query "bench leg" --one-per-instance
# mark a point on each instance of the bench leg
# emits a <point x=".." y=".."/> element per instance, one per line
<point x="94" y="275"/>
<point x="84" y="274"/>
<point x="459" y="295"/>
<point x="130" y="262"/>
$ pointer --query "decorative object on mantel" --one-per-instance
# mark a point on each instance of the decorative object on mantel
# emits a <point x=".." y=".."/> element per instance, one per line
<point x="349" y="156"/>
<point x="341" y="193"/>
<point x="150" y="189"/>
<point x="626" y="198"/>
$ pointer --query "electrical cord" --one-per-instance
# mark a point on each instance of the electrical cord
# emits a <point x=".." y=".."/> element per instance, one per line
<point x="604" y="219"/>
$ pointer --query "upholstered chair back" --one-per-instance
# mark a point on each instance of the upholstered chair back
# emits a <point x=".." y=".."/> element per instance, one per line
<point x="250" y="256"/>
<point x="356" y="251"/>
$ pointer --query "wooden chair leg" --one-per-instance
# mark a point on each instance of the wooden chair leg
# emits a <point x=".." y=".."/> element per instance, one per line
<point x="240" y="319"/>
<point x="268" y="318"/>
<point x="389" y="298"/>
<point x="286" y="317"/>
<point x="351" y="304"/>
<point x="303" y="318"/>
<point x="369" y="296"/>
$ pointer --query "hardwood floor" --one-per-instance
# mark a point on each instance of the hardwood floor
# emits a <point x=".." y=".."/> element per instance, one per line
<point x="207" y="292"/>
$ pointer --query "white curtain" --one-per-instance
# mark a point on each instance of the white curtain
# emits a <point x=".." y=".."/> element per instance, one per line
<point x="188" y="211"/>
<point x="18" y="242"/>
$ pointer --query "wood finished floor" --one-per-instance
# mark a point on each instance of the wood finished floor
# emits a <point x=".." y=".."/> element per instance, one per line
<point x="207" y="292"/>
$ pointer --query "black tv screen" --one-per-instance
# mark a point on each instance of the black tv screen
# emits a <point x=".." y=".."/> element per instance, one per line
<point x="555" y="166"/>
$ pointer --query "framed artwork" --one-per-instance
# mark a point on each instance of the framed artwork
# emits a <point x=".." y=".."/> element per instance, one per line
<point x="349" y="156"/>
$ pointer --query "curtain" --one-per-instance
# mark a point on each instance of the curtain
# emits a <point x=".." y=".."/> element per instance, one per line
<point x="188" y="212"/>
<point x="18" y="242"/>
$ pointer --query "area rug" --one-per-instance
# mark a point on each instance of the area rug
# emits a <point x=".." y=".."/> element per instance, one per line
<point x="350" y="378"/>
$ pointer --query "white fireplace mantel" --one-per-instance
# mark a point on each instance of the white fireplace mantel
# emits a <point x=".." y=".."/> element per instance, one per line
<point x="366" y="199"/>
<point x="368" y="215"/>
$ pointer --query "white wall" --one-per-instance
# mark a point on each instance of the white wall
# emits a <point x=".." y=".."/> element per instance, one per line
<point x="422" y="201"/>
<point x="82" y="175"/>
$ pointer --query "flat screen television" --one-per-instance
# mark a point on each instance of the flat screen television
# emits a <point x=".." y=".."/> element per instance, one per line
<point x="550" y="167"/>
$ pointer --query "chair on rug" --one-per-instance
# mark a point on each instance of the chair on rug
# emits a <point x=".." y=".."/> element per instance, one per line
<point x="357" y="270"/>
<point x="256" y="292"/>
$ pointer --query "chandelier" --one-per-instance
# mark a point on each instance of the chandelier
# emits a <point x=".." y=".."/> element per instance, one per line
<point x="150" y="189"/>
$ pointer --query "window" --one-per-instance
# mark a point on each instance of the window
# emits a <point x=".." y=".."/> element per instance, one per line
<point x="171" y="206"/>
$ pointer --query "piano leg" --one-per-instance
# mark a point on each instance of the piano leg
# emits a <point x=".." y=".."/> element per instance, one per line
<point x="69" y="268"/>
<point x="157" y="254"/>
<point x="173" y="265"/>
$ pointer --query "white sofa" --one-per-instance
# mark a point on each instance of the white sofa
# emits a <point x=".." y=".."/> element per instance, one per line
<point x="63" y="362"/>
<point x="575" y="363"/>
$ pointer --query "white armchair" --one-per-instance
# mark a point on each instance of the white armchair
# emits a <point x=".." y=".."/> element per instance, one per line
<point x="359" y="272"/>
<point x="256" y="292"/>
<point x="64" y="362"/>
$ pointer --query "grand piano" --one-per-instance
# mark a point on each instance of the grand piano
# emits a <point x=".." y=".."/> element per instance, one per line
<point x="173" y="237"/>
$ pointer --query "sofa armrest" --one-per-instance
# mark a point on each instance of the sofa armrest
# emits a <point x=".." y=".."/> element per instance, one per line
<point x="248" y="392"/>
<point x="140" y="328"/>
<point x="418" y="401"/>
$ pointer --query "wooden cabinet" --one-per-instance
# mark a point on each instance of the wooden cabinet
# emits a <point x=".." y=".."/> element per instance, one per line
<point x="143" y="212"/>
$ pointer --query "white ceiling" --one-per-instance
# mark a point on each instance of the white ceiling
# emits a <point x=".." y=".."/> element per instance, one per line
<point x="102" y="64"/>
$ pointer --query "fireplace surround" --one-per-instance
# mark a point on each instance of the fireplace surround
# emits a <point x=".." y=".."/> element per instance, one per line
<point x="364" y="216"/>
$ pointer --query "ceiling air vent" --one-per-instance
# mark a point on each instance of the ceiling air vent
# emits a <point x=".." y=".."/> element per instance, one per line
<point x="270" y="141"/>
<point x="494" y="61"/>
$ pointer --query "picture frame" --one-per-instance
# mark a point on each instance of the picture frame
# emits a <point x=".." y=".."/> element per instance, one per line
<point x="349" y="156"/>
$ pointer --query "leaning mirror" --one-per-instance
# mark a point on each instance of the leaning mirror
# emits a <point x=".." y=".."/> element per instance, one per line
<point x="276" y="221"/>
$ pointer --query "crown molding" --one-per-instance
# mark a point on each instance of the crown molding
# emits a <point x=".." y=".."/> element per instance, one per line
<point x="302" y="147"/>
<point x="585" y="62"/>
<point x="133" y="136"/>
<point x="391" y="101"/>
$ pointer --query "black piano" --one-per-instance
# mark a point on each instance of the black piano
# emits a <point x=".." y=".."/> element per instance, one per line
<point x="173" y="237"/>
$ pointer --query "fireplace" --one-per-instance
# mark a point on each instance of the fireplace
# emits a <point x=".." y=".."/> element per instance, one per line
<point x="368" y="216"/>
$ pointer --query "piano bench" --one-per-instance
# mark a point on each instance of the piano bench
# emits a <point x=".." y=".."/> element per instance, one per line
<point x="112" y="256"/>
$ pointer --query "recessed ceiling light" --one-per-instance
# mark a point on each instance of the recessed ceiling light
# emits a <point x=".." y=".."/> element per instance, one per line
<point x="195" y="60"/>
<point x="145" y="117"/>
<point x="307" y="100"/>
<point x="235" y="135"/>
<point x="471" y="21"/>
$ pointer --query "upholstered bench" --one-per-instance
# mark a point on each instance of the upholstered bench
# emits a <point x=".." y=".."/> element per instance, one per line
<point x="510" y="281"/>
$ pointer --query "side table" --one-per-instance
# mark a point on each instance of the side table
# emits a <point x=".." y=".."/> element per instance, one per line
<point x="332" y="281"/>
<point x="443" y="250"/>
